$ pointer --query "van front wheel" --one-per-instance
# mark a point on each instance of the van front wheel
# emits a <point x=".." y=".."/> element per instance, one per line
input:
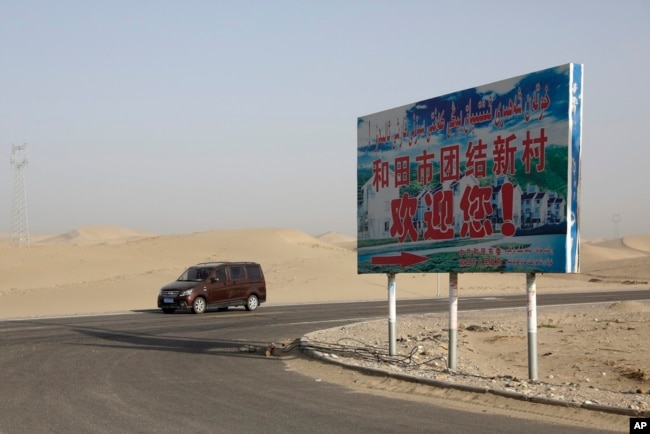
<point x="252" y="302"/>
<point x="199" y="305"/>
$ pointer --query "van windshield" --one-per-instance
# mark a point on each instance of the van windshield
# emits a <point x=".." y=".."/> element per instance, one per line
<point x="195" y="274"/>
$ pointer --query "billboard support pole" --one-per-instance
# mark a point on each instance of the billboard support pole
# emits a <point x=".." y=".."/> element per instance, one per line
<point x="392" y="314"/>
<point x="531" y="292"/>
<point x="453" y="319"/>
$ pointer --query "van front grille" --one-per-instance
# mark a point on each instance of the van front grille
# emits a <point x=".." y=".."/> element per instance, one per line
<point x="170" y="293"/>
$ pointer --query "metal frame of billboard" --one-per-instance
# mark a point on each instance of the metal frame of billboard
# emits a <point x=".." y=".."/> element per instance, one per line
<point x="482" y="180"/>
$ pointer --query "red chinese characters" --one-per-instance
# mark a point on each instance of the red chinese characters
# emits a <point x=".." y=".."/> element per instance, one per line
<point x="450" y="163"/>
<point x="504" y="155"/>
<point x="402" y="171"/>
<point x="476" y="159"/>
<point x="534" y="148"/>
<point x="440" y="220"/>
<point x="443" y="211"/>
<point x="403" y="210"/>
<point x="425" y="167"/>
<point x="477" y="209"/>
<point x="380" y="172"/>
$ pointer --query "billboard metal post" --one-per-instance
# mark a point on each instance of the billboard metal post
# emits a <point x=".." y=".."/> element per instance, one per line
<point x="453" y="319"/>
<point x="531" y="291"/>
<point x="392" y="314"/>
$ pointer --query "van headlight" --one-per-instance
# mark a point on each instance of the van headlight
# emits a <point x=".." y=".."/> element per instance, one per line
<point x="185" y="293"/>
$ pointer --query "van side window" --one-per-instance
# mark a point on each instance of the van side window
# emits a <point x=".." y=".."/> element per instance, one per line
<point x="253" y="272"/>
<point x="236" y="273"/>
<point x="204" y="273"/>
<point x="221" y="274"/>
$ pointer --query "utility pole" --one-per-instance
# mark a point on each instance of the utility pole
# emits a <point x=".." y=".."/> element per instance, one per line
<point x="19" y="230"/>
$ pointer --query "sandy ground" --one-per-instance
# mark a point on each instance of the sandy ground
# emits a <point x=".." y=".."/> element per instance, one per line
<point x="599" y="345"/>
<point x="593" y="357"/>
<point x="113" y="269"/>
<point x="109" y="269"/>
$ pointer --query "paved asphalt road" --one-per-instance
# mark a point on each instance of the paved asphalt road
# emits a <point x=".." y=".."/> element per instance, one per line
<point x="147" y="372"/>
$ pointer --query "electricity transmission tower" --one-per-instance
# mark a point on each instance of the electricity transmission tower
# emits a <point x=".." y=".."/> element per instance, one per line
<point x="616" y="218"/>
<point x="19" y="232"/>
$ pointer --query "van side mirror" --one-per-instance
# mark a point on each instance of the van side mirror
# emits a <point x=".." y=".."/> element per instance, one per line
<point x="214" y="279"/>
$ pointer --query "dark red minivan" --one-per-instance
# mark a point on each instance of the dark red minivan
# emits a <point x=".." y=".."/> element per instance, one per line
<point x="215" y="285"/>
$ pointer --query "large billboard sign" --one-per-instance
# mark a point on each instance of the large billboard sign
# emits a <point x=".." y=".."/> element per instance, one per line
<point x="482" y="180"/>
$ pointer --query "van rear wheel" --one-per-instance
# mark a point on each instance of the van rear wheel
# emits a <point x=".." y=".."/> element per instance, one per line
<point x="252" y="302"/>
<point x="199" y="305"/>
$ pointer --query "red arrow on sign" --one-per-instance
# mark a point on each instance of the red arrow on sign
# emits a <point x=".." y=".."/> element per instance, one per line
<point x="404" y="259"/>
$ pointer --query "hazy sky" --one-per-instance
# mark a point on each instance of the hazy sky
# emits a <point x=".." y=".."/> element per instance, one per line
<point x="187" y="116"/>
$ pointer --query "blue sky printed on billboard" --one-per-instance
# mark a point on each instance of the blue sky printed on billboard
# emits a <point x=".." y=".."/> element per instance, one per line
<point x="482" y="180"/>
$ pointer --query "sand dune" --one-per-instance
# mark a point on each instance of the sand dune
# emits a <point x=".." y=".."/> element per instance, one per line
<point x="641" y="243"/>
<point x="339" y="239"/>
<point x="612" y="250"/>
<point x="110" y="268"/>
<point x="96" y="234"/>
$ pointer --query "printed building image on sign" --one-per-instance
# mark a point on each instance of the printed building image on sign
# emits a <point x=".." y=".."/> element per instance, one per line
<point x="482" y="180"/>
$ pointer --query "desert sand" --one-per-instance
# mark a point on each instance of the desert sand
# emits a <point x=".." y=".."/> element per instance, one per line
<point x="107" y="269"/>
<point x="103" y="269"/>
